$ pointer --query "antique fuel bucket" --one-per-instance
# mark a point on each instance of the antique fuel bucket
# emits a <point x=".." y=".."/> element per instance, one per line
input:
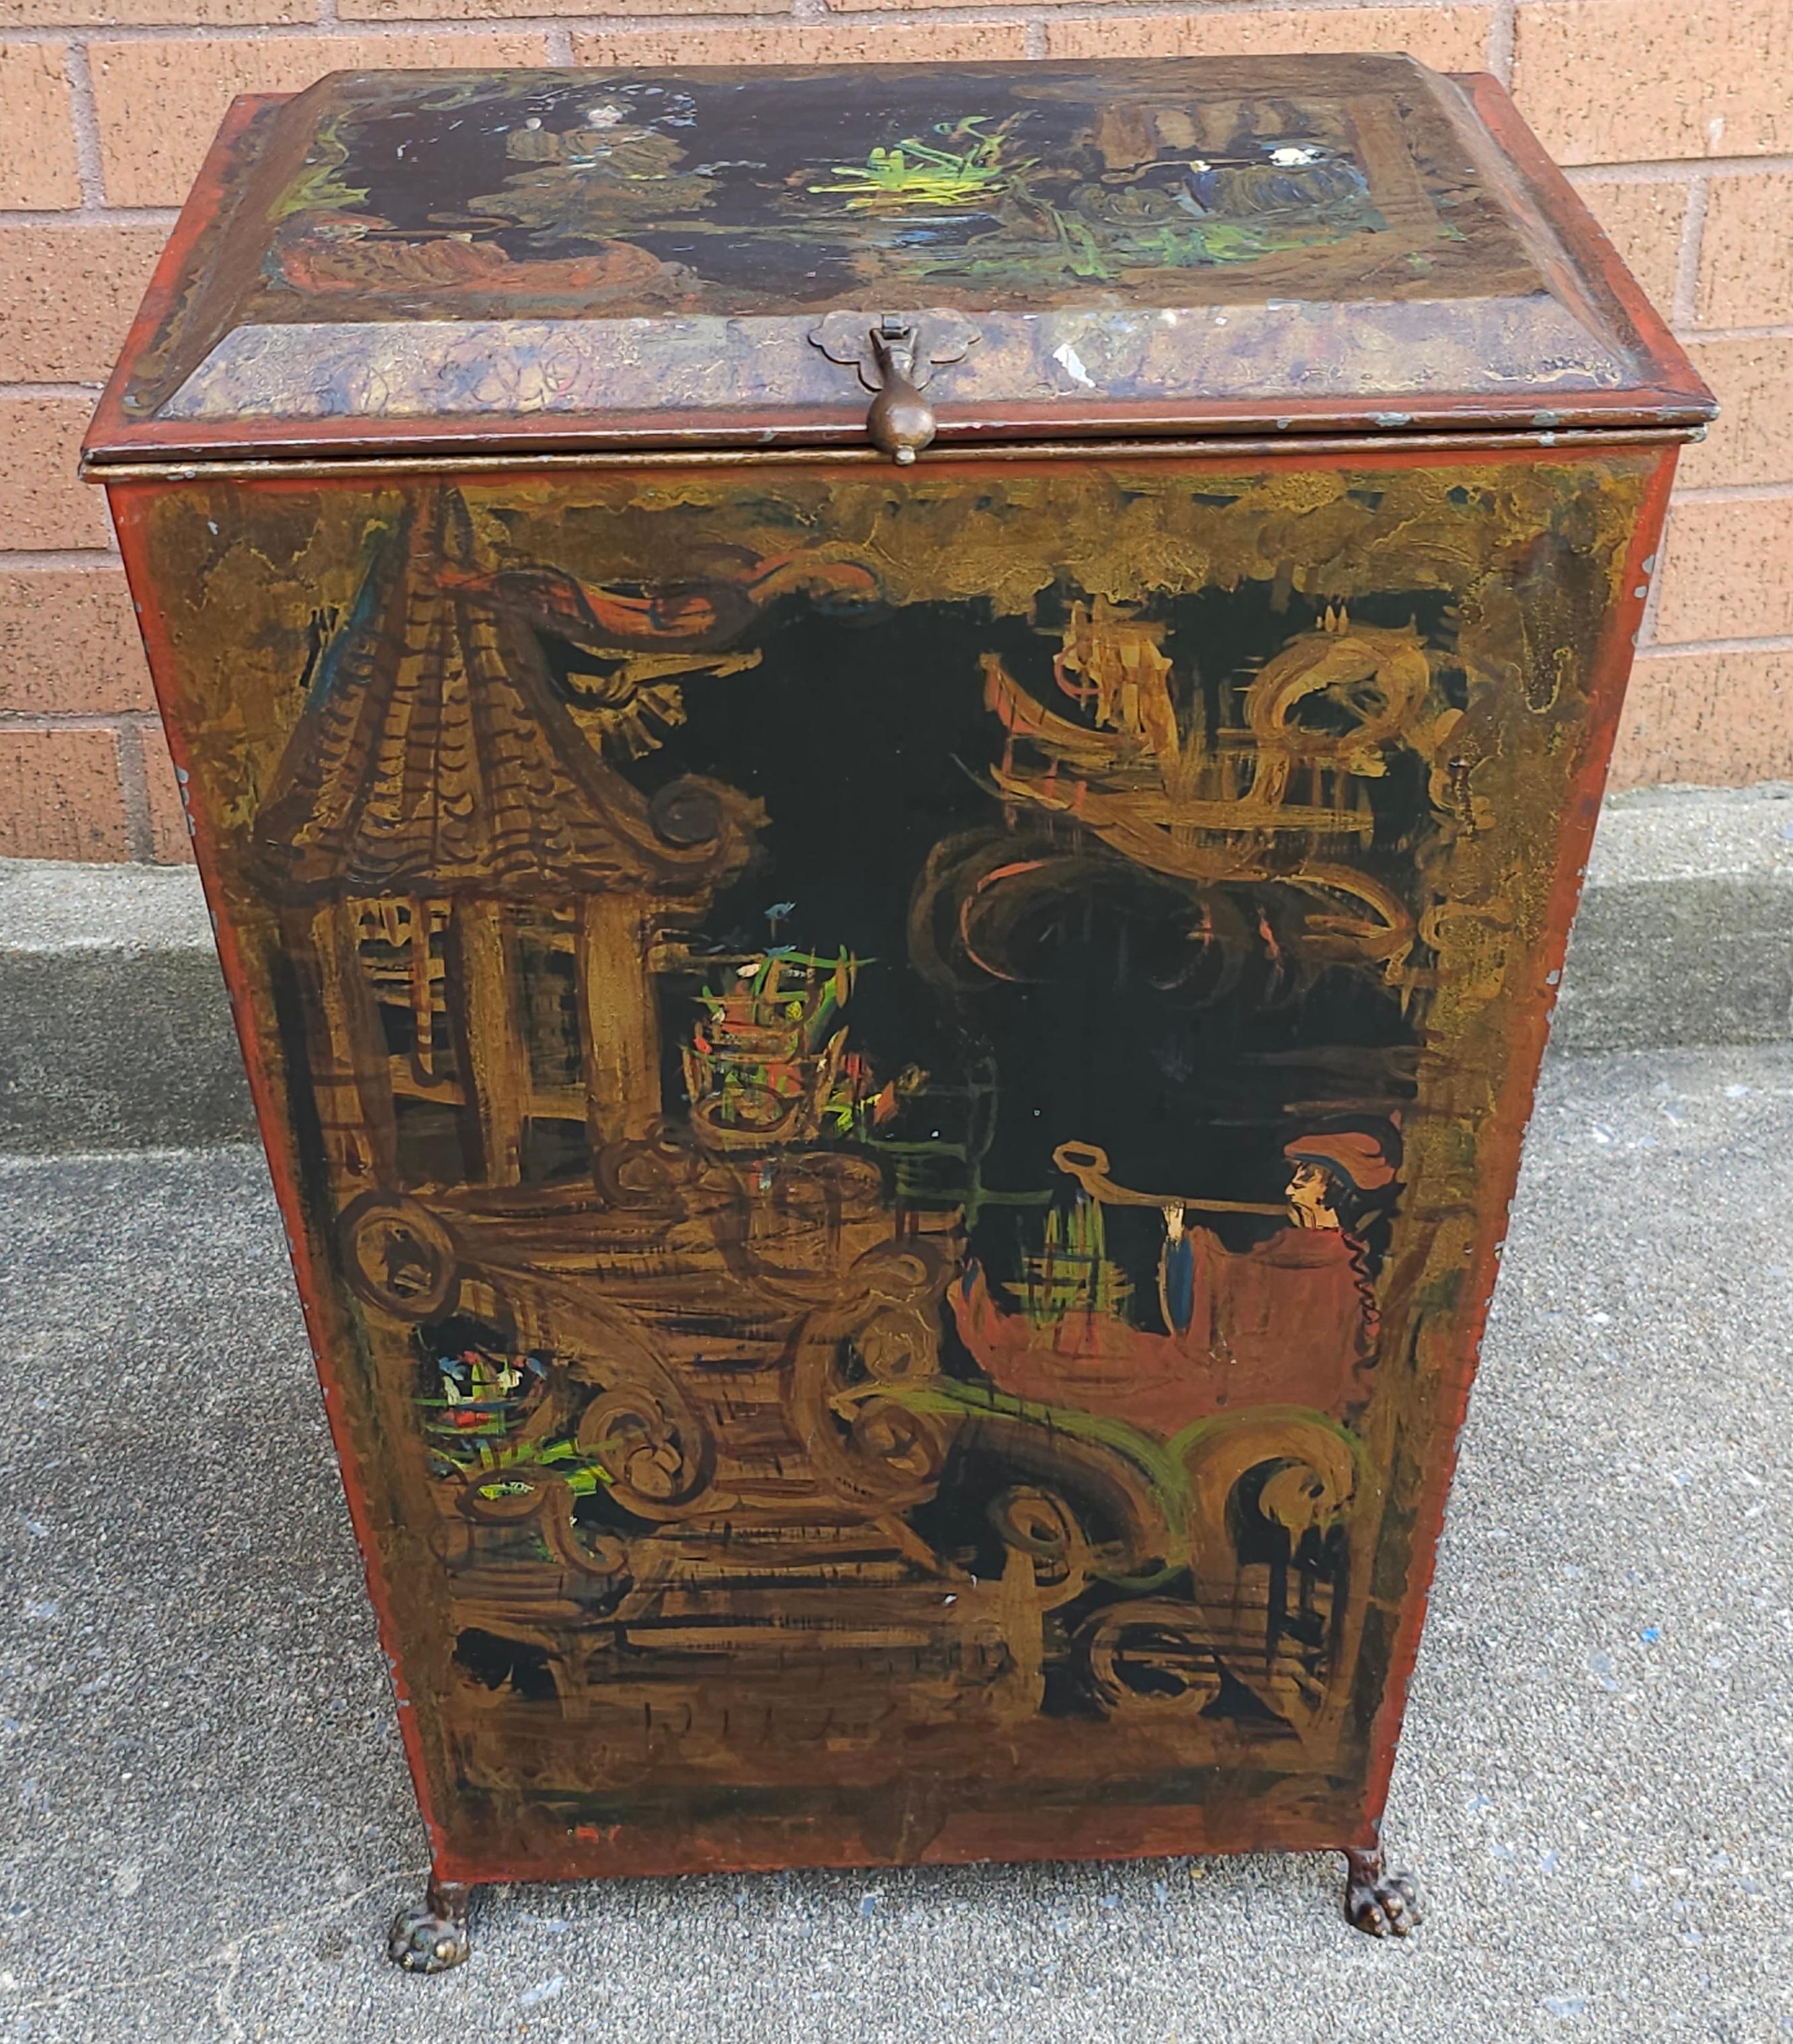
<point x="892" y="765"/>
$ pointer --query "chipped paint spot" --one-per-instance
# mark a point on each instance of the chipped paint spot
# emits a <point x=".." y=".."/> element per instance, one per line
<point x="1068" y="359"/>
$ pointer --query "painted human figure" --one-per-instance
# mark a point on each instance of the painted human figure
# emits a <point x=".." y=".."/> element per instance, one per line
<point x="1291" y="1320"/>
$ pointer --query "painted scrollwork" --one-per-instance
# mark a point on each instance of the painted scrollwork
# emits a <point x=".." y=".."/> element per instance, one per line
<point x="1279" y="1503"/>
<point x="1150" y="1656"/>
<point x="1372" y="681"/>
<point x="775" y="1350"/>
<point x="1042" y="1532"/>
<point x="658" y="1170"/>
<point x="871" y="1446"/>
<point x="656" y="1457"/>
<point x="541" y="1496"/>
<point x="1315" y="1478"/>
<point x="651" y="1450"/>
<point x="556" y="1424"/>
<point x="783" y="1226"/>
<point x="398" y="1255"/>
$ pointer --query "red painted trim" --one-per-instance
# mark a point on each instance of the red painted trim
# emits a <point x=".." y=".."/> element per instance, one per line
<point x="1498" y="1160"/>
<point x="110" y="427"/>
<point x="1596" y="261"/>
<point x="376" y="439"/>
<point x="129" y="504"/>
<point x="1013" y="1838"/>
<point x="501" y="465"/>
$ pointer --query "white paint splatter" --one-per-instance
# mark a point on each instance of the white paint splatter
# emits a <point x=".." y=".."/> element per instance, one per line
<point x="1067" y="359"/>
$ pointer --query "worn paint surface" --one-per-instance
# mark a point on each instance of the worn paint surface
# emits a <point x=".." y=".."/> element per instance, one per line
<point x="896" y="1095"/>
<point x="652" y="255"/>
<point x="645" y="193"/>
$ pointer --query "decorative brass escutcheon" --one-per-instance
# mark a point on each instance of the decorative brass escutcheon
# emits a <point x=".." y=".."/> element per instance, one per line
<point x="896" y="358"/>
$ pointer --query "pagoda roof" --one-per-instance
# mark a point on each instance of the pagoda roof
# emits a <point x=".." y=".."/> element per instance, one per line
<point x="432" y="756"/>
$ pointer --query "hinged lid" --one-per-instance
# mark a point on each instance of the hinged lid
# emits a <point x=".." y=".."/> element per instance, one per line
<point x="505" y="260"/>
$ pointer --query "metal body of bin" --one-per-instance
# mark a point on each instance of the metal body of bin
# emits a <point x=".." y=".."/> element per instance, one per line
<point x="894" y="1081"/>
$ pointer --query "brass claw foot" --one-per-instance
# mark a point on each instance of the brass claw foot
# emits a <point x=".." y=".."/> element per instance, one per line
<point x="431" y="1936"/>
<point x="1376" y="1902"/>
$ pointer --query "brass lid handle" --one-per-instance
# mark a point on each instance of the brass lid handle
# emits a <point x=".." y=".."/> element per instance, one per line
<point x="900" y="421"/>
<point x="895" y="357"/>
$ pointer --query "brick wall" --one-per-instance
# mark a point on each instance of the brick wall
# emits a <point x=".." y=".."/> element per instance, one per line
<point x="1674" y="116"/>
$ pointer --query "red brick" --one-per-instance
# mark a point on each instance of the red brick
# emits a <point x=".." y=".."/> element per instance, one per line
<point x="69" y="643"/>
<point x="1724" y="571"/>
<point x="1746" y="251"/>
<point x="151" y="14"/>
<point x="38" y="166"/>
<point x="43" y="503"/>
<point x="159" y="101"/>
<point x="67" y="295"/>
<point x="497" y="10"/>
<point x="1634" y="81"/>
<point x="1718" y="719"/>
<point x="805" y="42"/>
<point x="1643" y="221"/>
<point x="170" y="842"/>
<point x="60" y="796"/>
<point x="1446" y="38"/>
<point x="1752" y="440"/>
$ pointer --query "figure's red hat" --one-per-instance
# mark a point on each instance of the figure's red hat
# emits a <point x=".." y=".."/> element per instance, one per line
<point x="1358" y="1159"/>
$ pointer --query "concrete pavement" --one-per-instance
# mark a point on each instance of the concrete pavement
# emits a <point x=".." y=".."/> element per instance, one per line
<point x="205" y="1820"/>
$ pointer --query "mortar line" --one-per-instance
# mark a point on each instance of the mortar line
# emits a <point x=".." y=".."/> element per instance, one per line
<point x="1503" y="33"/>
<point x="89" y="162"/>
<point x="559" y="43"/>
<point x="131" y="32"/>
<point x="79" y="720"/>
<point x="90" y="215"/>
<point x="1733" y="493"/>
<point x="1782" y="331"/>
<point x="1039" y="43"/>
<point x="1779" y="642"/>
<point x="133" y="776"/>
<point x="86" y="392"/>
<point x="1686" y="267"/>
<point x="1680" y="170"/>
<point x="1644" y="637"/>
<point x="12" y="560"/>
<point x="816" y="14"/>
<point x="425" y="27"/>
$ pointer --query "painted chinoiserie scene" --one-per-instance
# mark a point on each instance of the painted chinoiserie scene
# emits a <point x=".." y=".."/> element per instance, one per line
<point x="894" y="1086"/>
<point x="894" y="1083"/>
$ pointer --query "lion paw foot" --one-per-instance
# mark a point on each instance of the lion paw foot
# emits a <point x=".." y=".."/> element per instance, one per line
<point x="431" y="1936"/>
<point x="1378" y="1902"/>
